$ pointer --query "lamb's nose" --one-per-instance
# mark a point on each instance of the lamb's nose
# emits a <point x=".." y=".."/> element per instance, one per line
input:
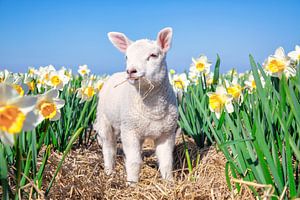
<point x="131" y="71"/>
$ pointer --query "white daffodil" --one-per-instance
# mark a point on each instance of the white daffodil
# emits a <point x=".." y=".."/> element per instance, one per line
<point x="235" y="90"/>
<point x="209" y="78"/>
<point x="20" y="86"/>
<point x="48" y="106"/>
<point x="87" y="91"/>
<point x="232" y="72"/>
<point x="29" y="80"/>
<point x="295" y="55"/>
<point x="194" y="77"/>
<point x="43" y="76"/>
<point x="44" y="72"/>
<point x="6" y="77"/>
<point x="57" y="79"/>
<point x="68" y="73"/>
<point x="250" y="84"/>
<point x="200" y="65"/>
<point x="32" y="71"/>
<point x="180" y="82"/>
<point x="278" y="64"/>
<point x="84" y="70"/>
<point x="220" y="100"/>
<point x="15" y="113"/>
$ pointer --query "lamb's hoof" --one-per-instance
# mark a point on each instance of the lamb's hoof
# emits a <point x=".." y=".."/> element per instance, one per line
<point x="108" y="172"/>
<point x="168" y="178"/>
<point x="131" y="183"/>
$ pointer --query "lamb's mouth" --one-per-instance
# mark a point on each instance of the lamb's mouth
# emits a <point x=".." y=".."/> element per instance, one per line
<point x="133" y="79"/>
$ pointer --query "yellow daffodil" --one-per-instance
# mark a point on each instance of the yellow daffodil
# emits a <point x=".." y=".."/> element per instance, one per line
<point x="279" y="64"/>
<point x="15" y="113"/>
<point x="219" y="101"/>
<point x="84" y="70"/>
<point x="48" y="106"/>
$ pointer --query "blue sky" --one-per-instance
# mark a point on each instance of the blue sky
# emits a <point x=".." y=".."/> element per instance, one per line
<point x="71" y="33"/>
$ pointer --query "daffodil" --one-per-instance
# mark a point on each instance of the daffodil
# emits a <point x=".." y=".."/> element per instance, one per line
<point x="250" y="84"/>
<point x="84" y="70"/>
<point x="219" y="101"/>
<point x="2" y="76"/>
<point x="6" y="77"/>
<point x="279" y="64"/>
<point x="232" y="72"/>
<point x="98" y="85"/>
<point x="200" y="65"/>
<point x="194" y="77"/>
<point x="32" y="71"/>
<point x="20" y="86"/>
<point x="235" y="90"/>
<point x="48" y="106"/>
<point x="180" y="82"/>
<point x="57" y="79"/>
<point x="209" y="78"/>
<point x="15" y="113"/>
<point x="87" y="91"/>
<point x="44" y="72"/>
<point x="43" y="76"/>
<point x="295" y="55"/>
<point x="30" y="81"/>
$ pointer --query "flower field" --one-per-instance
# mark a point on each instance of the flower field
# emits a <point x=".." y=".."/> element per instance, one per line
<point x="253" y="118"/>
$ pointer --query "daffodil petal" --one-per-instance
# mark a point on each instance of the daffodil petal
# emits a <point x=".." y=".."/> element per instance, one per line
<point x="56" y="117"/>
<point x="26" y="103"/>
<point x="59" y="103"/>
<point x="7" y="92"/>
<point x="53" y="93"/>
<point x="30" y="122"/>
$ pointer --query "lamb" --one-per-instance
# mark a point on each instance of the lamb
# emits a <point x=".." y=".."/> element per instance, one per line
<point x="138" y="104"/>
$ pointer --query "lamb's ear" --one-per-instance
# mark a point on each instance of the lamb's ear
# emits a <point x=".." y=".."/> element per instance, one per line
<point x="164" y="38"/>
<point x="119" y="40"/>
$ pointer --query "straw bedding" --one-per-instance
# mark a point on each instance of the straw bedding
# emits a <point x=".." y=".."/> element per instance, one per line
<point x="82" y="176"/>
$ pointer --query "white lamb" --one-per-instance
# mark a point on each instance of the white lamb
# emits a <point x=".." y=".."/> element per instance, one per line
<point x="138" y="104"/>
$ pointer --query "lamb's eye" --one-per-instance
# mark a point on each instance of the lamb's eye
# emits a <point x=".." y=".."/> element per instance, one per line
<point x="126" y="57"/>
<point x="152" y="56"/>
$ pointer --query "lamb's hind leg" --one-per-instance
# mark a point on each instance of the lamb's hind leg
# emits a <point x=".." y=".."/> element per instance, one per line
<point x="164" y="152"/>
<point x="107" y="138"/>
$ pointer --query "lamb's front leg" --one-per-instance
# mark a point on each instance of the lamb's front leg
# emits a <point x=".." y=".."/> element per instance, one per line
<point x="164" y="153"/>
<point x="132" y="149"/>
<point x="107" y="139"/>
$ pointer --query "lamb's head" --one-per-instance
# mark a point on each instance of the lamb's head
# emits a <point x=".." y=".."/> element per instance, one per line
<point x="144" y="58"/>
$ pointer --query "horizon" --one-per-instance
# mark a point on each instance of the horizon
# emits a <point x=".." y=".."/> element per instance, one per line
<point x="70" y="33"/>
